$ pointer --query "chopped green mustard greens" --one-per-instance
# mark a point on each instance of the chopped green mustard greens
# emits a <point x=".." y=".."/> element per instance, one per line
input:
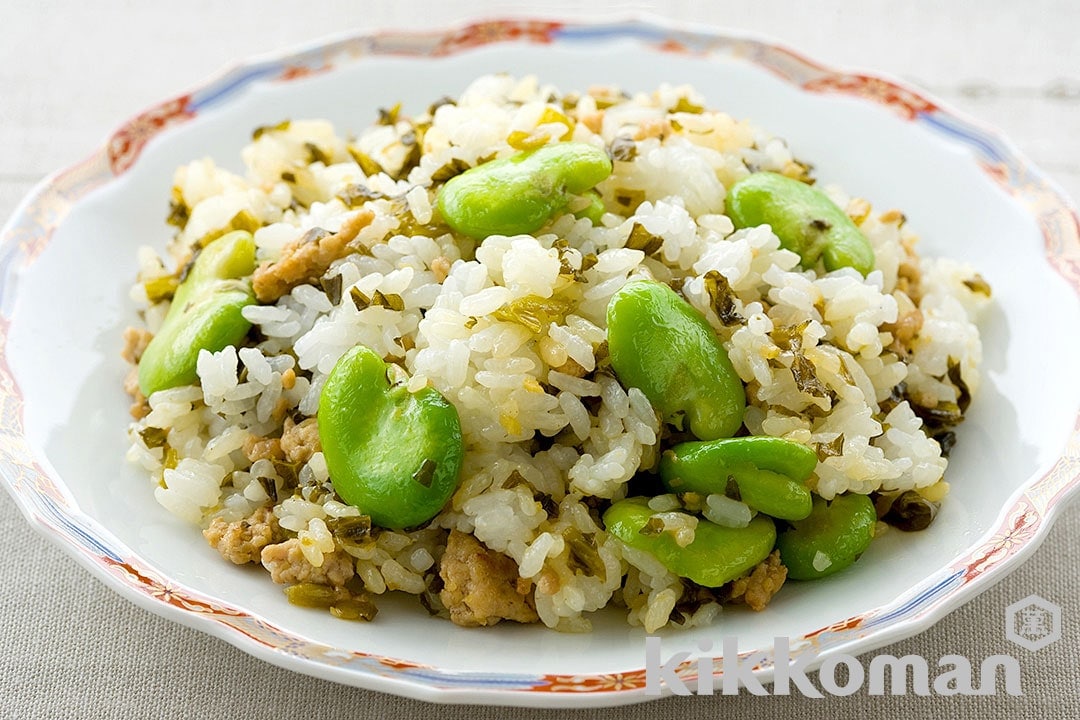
<point x="623" y="149"/>
<point x="161" y="288"/>
<point x="684" y="105"/>
<point x="426" y="472"/>
<point x="653" y="527"/>
<point x="643" y="240"/>
<point x="978" y="284"/>
<point x="153" y="437"/>
<point x="911" y="512"/>
<point x="263" y="129"/>
<point x="833" y="448"/>
<point x="722" y="298"/>
<point x="332" y="287"/>
<point x="533" y="312"/>
<point x="350" y="528"/>
<point x="242" y="220"/>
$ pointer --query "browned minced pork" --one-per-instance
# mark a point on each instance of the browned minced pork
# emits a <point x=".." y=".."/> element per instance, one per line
<point x="440" y="267"/>
<point x="593" y="121"/>
<point x="131" y="384"/>
<point x="760" y="584"/>
<point x="652" y="128"/>
<point x="242" y="541"/>
<point x="257" y="448"/>
<point x="300" y="441"/>
<point x="906" y="327"/>
<point x="909" y="274"/>
<point x="140" y="408"/>
<point x="904" y="331"/>
<point x="288" y="566"/>
<point x="481" y="586"/>
<point x="858" y="210"/>
<point x="306" y="259"/>
<point x="135" y="342"/>
<point x="572" y="367"/>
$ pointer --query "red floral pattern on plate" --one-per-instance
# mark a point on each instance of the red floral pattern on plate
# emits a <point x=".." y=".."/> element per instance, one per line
<point x="879" y="90"/>
<point x="127" y="142"/>
<point x="1017" y="529"/>
<point x="614" y="682"/>
<point x="295" y="72"/>
<point x="487" y="33"/>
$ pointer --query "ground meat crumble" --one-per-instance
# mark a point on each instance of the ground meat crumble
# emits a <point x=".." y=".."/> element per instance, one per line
<point x="242" y="541"/>
<point x="257" y="448"/>
<point x="287" y="565"/>
<point x="307" y="258"/>
<point x="299" y="441"/>
<point x="757" y="587"/>
<point x="481" y="586"/>
<point x="135" y="342"/>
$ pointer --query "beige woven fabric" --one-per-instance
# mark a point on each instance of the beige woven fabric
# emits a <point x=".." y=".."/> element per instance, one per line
<point x="69" y="72"/>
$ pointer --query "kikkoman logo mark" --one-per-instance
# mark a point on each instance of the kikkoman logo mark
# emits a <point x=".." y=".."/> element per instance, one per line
<point x="1032" y="623"/>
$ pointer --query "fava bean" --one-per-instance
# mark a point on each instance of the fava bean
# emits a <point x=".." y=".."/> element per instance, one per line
<point x="206" y="313"/>
<point x="520" y="194"/>
<point x="661" y="345"/>
<point x="595" y="210"/>
<point x="805" y="220"/>
<point x="716" y="556"/>
<point x="766" y="473"/>
<point x="394" y="454"/>
<point x="831" y="538"/>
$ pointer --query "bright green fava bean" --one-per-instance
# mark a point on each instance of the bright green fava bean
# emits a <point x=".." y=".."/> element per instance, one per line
<point x="806" y="220"/>
<point x="834" y="535"/>
<point x="661" y="345"/>
<point x="717" y="555"/>
<point x="205" y="313"/>
<point x="520" y="194"/>
<point x="766" y="473"/>
<point x="595" y="210"/>
<point x="394" y="454"/>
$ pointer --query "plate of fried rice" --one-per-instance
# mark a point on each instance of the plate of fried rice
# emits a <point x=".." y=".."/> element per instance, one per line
<point x="457" y="363"/>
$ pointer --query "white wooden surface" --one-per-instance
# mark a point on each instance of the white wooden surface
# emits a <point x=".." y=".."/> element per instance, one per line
<point x="72" y="71"/>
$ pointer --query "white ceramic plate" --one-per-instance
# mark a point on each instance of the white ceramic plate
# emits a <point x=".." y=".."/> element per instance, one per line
<point x="68" y="256"/>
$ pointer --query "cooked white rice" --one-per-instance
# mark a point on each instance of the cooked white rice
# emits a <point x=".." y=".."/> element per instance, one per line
<point x="513" y="384"/>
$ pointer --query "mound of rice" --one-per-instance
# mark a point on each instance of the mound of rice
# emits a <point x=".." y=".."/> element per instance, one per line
<point x="862" y="369"/>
